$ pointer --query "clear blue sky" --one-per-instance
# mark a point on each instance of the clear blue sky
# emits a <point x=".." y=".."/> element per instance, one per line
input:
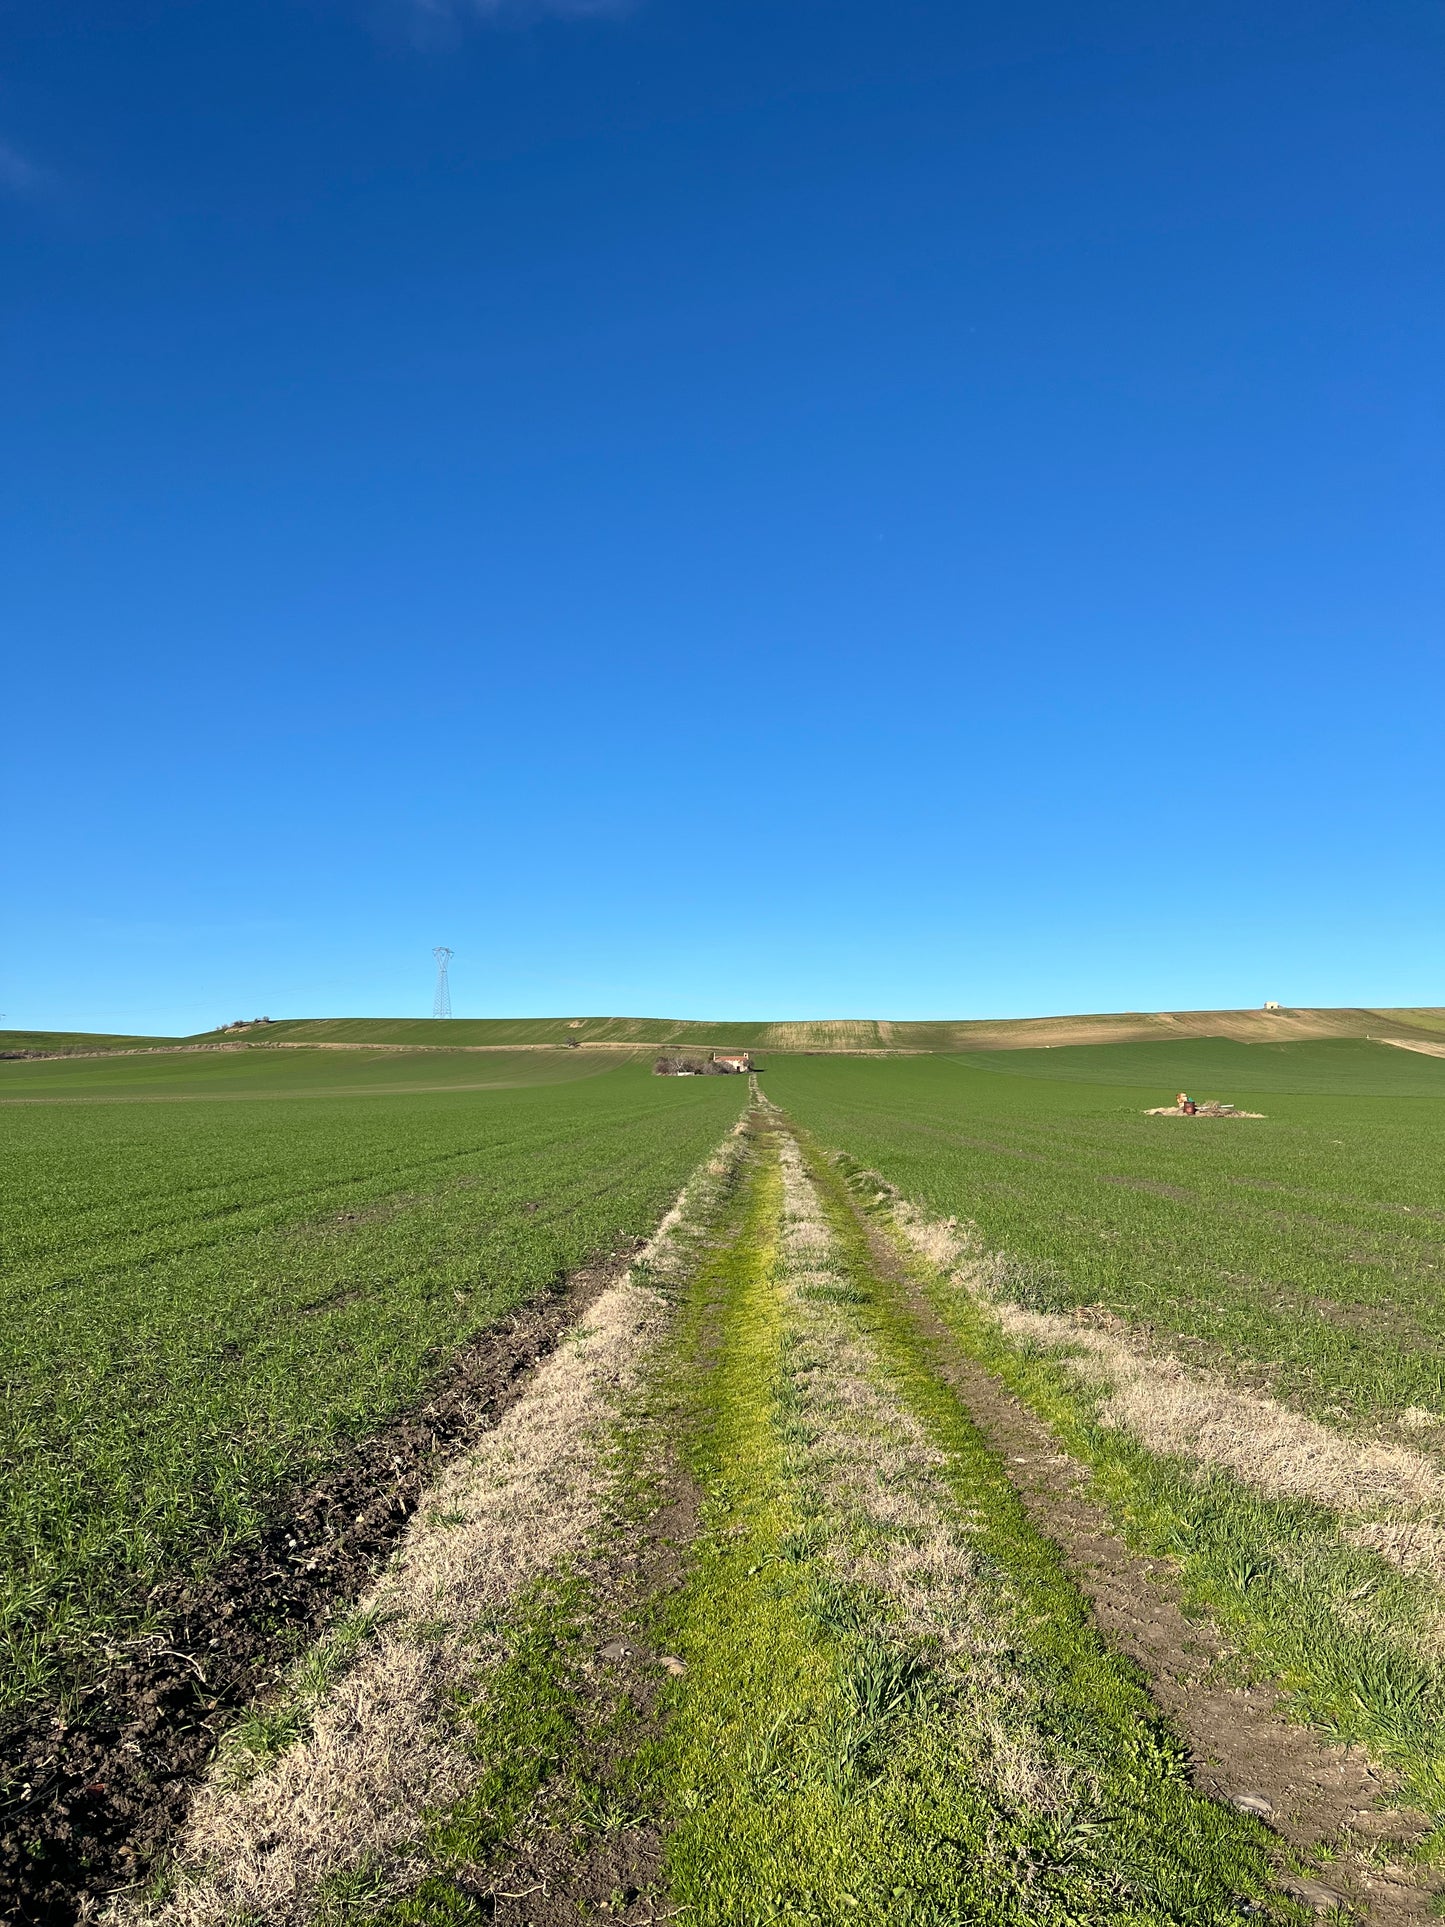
<point x="721" y="508"/>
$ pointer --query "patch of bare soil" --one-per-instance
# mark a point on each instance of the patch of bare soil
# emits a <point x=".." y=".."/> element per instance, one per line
<point x="1204" y="1110"/>
<point x="86" y="1803"/>
<point x="1176" y="1193"/>
<point x="1384" y="1320"/>
<point x="558" y="1871"/>
<point x="1244" y="1751"/>
<point x="134" y="1050"/>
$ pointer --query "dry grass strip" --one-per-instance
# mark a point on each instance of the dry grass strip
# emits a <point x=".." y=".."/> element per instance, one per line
<point x="894" y="1523"/>
<point x="1178" y="1410"/>
<point x="383" y="1748"/>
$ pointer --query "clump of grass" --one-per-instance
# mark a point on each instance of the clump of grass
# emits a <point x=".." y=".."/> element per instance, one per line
<point x="269" y="1728"/>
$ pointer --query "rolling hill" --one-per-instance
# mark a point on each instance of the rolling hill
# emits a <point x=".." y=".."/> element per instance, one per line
<point x="1421" y="1025"/>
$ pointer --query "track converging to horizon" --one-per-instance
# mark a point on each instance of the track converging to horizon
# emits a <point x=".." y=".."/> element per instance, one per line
<point x="803" y="1551"/>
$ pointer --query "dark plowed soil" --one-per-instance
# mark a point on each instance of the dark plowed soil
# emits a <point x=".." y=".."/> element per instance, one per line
<point x="87" y="1804"/>
<point x="1241" y="1743"/>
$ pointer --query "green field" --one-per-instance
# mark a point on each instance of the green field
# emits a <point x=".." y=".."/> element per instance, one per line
<point x="1298" y="1255"/>
<point x="79" y="1040"/>
<point x="891" y="1702"/>
<point x="1309" y="1243"/>
<point x="273" y="1075"/>
<point x="1218" y="1067"/>
<point x="892" y="1689"/>
<point x="203" y="1300"/>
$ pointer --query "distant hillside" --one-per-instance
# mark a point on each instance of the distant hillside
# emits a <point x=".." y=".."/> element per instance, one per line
<point x="868" y="1034"/>
<point x="1243" y="1026"/>
<point x="80" y="1040"/>
<point x="834" y="1034"/>
<point x="475" y="1030"/>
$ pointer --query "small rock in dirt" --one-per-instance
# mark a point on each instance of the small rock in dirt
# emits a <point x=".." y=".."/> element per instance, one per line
<point x="1254" y="1803"/>
<point x="1314" y="1893"/>
<point x="671" y="1664"/>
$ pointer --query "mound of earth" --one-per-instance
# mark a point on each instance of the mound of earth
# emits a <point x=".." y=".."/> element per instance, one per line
<point x="1202" y="1110"/>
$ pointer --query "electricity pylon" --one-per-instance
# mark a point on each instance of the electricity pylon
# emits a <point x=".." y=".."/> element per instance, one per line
<point x="441" y="1003"/>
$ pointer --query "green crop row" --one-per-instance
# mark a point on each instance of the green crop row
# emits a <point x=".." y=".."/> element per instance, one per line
<point x="1304" y="1250"/>
<point x="204" y="1302"/>
<point x="239" y="1071"/>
